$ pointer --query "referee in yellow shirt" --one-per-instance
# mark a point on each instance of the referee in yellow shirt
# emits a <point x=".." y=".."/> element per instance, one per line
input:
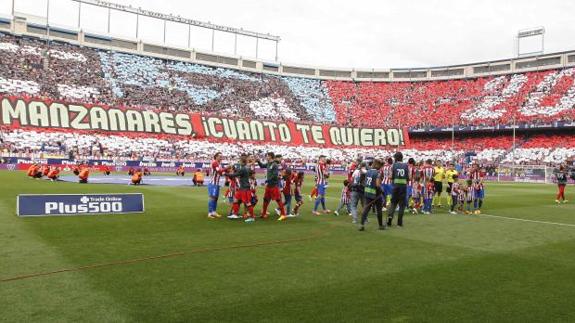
<point x="438" y="182"/>
<point x="449" y="173"/>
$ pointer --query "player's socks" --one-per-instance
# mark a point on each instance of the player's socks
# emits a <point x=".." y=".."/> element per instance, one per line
<point x="211" y="207"/>
<point x="265" y="209"/>
<point x="316" y="205"/>
<point x="296" y="209"/>
<point x="235" y="208"/>
<point x="282" y="208"/>
<point x="234" y="211"/>
<point x="322" y="199"/>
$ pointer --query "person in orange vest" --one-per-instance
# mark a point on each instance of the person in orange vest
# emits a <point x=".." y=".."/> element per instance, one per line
<point x="76" y="170"/>
<point x="198" y="178"/>
<point x="181" y="171"/>
<point x="54" y="173"/>
<point x="45" y="170"/>
<point x="106" y="170"/>
<point x="34" y="171"/>
<point x="137" y="177"/>
<point x="84" y="174"/>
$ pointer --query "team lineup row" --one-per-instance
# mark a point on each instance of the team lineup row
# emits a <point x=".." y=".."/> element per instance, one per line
<point x="377" y="185"/>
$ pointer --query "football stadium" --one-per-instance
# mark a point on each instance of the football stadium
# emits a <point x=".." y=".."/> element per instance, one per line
<point x="153" y="175"/>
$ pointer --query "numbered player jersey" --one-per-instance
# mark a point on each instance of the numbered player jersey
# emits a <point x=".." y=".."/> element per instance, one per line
<point x="371" y="177"/>
<point x="400" y="173"/>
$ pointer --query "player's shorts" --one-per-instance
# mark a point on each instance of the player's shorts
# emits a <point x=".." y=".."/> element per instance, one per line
<point x="254" y="197"/>
<point x="438" y="187"/>
<point x="449" y="185"/>
<point x="479" y="194"/>
<point x="298" y="198"/>
<point x="272" y="193"/>
<point x="399" y="194"/>
<point x="387" y="189"/>
<point x="409" y="191"/>
<point x="244" y="196"/>
<point x="213" y="190"/>
<point x="416" y="194"/>
<point x="321" y="189"/>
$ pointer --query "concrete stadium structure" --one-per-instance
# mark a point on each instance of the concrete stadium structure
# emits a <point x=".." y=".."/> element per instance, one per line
<point x="20" y="25"/>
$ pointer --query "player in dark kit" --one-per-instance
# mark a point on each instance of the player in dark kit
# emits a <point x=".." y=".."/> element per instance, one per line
<point x="243" y="193"/>
<point x="400" y="177"/>
<point x="272" y="191"/>
<point x="372" y="193"/>
<point x="561" y="177"/>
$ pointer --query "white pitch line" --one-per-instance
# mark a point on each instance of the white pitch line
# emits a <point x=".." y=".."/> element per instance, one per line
<point x="527" y="220"/>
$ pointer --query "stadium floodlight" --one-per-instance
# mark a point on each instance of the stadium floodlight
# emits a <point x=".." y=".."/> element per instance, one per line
<point x="177" y="19"/>
<point x="529" y="33"/>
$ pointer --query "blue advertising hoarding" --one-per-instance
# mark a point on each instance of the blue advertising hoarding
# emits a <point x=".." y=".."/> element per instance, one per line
<point x="78" y="204"/>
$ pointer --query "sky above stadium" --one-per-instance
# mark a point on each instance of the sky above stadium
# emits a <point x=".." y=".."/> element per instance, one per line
<point x="336" y="33"/>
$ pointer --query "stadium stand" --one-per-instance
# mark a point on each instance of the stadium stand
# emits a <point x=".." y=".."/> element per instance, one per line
<point x="61" y="71"/>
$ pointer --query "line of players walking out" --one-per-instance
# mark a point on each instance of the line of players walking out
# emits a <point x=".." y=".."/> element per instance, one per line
<point x="392" y="185"/>
<point x="376" y="185"/>
<point x="241" y="184"/>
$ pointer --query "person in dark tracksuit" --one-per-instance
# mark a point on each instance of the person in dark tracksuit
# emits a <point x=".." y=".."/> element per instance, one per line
<point x="400" y="177"/>
<point x="372" y="193"/>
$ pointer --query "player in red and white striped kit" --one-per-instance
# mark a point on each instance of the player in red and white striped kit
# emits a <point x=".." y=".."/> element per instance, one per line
<point x="214" y="186"/>
<point x="386" y="183"/>
<point x="321" y="173"/>
<point x="476" y="174"/>
<point x="345" y="198"/>
<point x="427" y="171"/>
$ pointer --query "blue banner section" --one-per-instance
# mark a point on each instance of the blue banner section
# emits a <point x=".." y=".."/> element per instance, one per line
<point x="78" y="204"/>
<point x="521" y="126"/>
<point x="167" y="166"/>
<point x="103" y="162"/>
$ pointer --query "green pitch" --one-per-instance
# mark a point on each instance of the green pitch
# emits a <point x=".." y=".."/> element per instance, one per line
<point x="174" y="264"/>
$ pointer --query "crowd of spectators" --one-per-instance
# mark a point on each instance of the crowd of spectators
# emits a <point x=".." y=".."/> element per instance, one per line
<point x="63" y="71"/>
<point x="536" y="149"/>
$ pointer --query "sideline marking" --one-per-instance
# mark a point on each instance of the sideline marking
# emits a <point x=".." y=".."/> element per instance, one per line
<point x="527" y="220"/>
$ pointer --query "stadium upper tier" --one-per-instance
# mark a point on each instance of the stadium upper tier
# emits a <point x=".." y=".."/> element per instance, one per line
<point x="63" y="71"/>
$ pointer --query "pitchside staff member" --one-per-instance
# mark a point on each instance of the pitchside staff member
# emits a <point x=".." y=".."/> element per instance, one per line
<point x="357" y="182"/>
<point x="373" y="193"/>
<point x="400" y="177"/>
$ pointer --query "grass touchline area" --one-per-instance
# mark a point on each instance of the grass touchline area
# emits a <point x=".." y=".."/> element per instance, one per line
<point x="513" y="263"/>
